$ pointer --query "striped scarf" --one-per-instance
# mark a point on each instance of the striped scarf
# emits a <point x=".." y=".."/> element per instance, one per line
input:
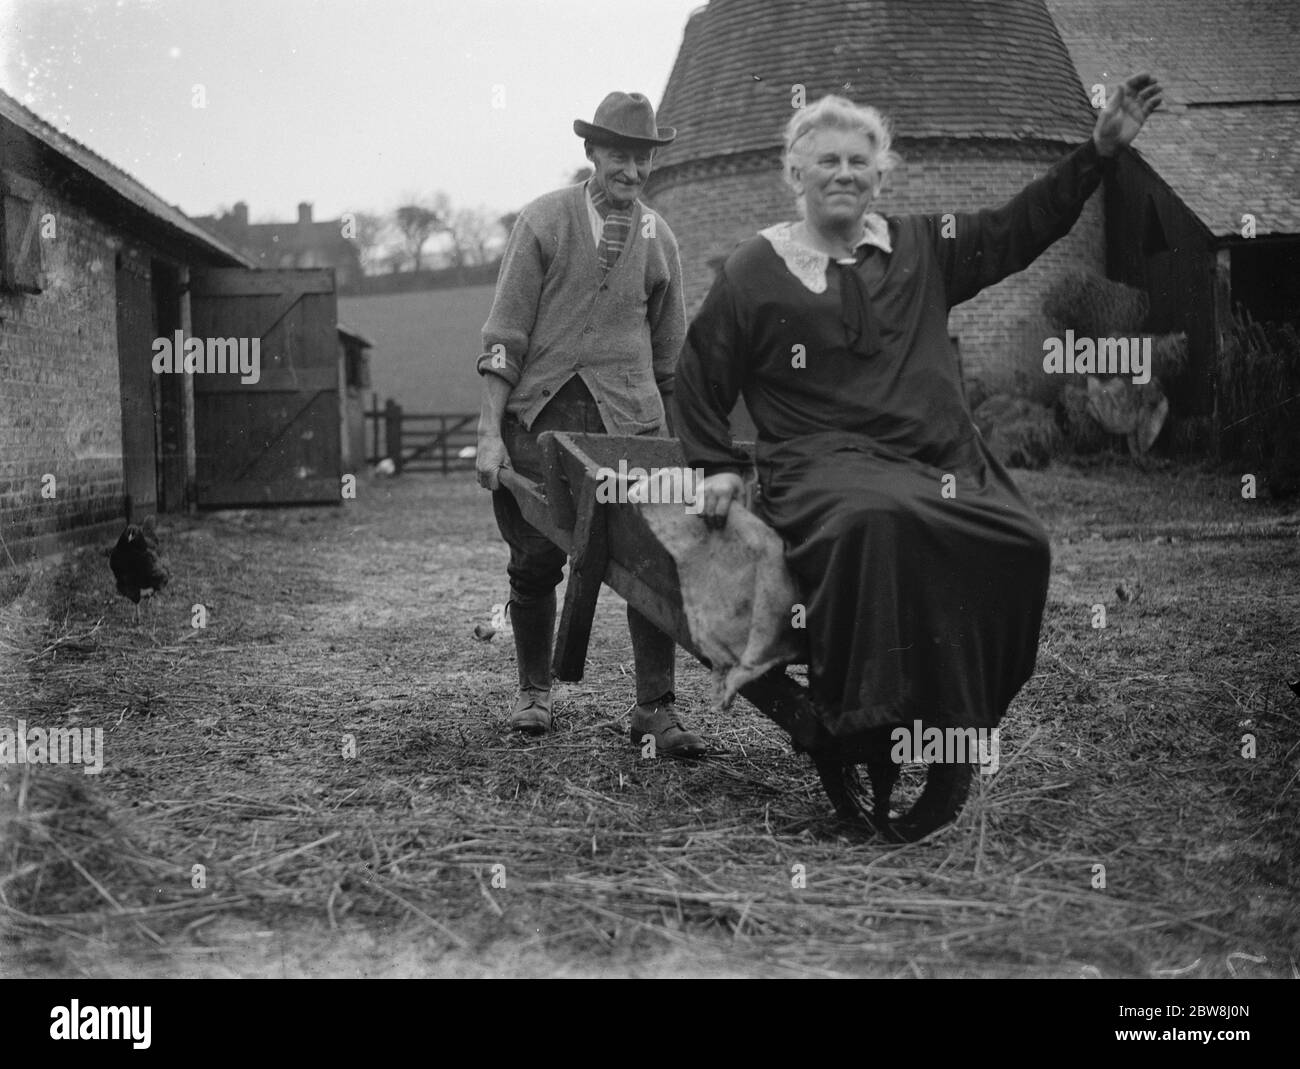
<point x="618" y="225"/>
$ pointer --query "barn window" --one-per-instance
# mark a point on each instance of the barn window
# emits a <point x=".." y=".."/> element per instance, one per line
<point x="20" y="244"/>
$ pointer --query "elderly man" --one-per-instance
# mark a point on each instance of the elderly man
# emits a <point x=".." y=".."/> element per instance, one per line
<point x="584" y="333"/>
<point x="923" y="570"/>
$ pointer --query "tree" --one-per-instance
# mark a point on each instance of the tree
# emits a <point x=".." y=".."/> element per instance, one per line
<point x="417" y="222"/>
<point x="370" y="236"/>
<point x="473" y="231"/>
<point x="581" y="174"/>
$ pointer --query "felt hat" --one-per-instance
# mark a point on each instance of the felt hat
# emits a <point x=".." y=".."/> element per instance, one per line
<point x="624" y="119"/>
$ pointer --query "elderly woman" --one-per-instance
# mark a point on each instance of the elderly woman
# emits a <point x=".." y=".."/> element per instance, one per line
<point x="924" y="572"/>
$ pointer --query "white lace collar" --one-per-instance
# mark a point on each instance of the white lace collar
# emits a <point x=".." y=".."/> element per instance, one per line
<point x="809" y="265"/>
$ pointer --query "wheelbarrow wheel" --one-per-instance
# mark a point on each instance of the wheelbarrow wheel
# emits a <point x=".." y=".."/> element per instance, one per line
<point x="946" y="787"/>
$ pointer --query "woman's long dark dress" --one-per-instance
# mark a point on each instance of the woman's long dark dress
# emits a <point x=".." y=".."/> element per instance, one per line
<point x="924" y="594"/>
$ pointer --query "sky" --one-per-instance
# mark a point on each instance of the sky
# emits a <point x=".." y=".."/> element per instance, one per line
<point x="351" y="105"/>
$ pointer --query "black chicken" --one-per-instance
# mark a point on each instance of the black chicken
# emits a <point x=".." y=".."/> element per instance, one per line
<point x="136" y="562"/>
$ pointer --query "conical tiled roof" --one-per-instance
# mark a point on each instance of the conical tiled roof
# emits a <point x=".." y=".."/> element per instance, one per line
<point x="937" y="68"/>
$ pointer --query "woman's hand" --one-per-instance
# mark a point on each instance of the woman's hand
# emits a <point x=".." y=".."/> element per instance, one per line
<point x="490" y="459"/>
<point x="1125" y="113"/>
<point x="718" y="492"/>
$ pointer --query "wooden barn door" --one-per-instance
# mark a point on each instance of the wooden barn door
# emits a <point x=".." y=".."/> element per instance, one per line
<point x="136" y="330"/>
<point x="275" y="441"/>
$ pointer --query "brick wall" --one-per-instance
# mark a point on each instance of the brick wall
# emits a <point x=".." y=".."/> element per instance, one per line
<point x="712" y="205"/>
<point x="60" y="409"/>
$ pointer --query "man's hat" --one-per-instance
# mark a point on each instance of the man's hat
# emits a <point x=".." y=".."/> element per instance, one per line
<point x="624" y="119"/>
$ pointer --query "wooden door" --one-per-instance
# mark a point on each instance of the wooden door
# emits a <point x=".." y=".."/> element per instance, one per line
<point x="136" y="330"/>
<point x="274" y="441"/>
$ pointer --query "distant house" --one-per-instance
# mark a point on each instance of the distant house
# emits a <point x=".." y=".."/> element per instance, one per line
<point x="98" y="279"/>
<point x="306" y="243"/>
<point x="1220" y="161"/>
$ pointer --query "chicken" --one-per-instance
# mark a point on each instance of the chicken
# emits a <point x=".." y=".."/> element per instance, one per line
<point x="136" y="562"/>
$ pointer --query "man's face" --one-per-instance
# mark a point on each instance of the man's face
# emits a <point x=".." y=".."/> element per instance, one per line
<point x="620" y="171"/>
<point x="837" y="171"/>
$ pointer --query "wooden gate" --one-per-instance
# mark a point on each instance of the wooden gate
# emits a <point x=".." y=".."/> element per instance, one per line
<point x="275" y="441"/>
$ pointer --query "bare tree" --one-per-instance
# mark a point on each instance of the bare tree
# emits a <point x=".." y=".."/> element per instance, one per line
<point x="370" y="233"/>
<point x="473" y="231"/>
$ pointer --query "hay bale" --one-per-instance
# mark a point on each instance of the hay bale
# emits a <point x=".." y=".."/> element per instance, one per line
<point x="1095" y="307"/>
<point x="1020" y="433"/>
<point x="1027" y="378"/>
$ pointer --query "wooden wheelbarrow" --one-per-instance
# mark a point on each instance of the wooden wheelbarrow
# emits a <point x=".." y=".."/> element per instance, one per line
<point x="611" y="542"/>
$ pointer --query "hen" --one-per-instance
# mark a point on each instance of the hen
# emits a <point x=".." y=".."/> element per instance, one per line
<point x="136" y="562"/>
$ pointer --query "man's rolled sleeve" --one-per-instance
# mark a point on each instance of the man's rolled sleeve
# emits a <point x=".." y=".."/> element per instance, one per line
<point x="494" y="363"/>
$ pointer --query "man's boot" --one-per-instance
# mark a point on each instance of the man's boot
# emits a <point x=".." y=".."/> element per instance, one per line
<point x="654" y="655"/>
<point x="534" y="627"/>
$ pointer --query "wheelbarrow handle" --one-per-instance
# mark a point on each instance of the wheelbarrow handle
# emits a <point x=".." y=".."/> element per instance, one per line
<point x="517" y="484"/>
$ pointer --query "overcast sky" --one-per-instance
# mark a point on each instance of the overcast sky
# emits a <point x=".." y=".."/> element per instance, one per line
<point x="348" y="104"/>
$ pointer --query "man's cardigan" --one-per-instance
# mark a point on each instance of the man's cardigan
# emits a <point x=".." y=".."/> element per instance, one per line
<point x="553" y="315"/>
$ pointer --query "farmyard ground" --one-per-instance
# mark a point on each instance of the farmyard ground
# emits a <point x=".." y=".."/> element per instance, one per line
<point x="224" y="749"/>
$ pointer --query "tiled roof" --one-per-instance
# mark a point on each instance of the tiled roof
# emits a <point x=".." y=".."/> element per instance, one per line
<point x="1204" y="51"/>
<point x="1225" y="162"/>
<point x="1227" y="140"/>
<point x="939" y="68"/>
<point x="117" y="180"/>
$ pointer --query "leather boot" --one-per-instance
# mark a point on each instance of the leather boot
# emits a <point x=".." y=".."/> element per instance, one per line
<point x="533" y="623"/>
<point x="660" y="720"/>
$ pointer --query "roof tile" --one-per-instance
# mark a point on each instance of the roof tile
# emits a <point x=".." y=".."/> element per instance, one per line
<point x="946" y="68"/>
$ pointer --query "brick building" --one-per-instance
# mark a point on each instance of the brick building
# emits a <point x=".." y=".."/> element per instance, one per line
<point x="92" y="268"/>
<point x="983" y="97"/>
<point x="95" y="271"/>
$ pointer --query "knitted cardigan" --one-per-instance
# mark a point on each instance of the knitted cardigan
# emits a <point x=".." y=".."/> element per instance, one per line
<point x="553" y="316"/>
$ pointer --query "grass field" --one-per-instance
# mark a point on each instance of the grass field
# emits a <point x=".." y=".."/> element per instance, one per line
<point x="447" y="846"/>
<point x="425" y="345"/>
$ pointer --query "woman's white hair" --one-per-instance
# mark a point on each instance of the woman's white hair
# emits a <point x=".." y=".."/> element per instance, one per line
<point x="837" y="113"/>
